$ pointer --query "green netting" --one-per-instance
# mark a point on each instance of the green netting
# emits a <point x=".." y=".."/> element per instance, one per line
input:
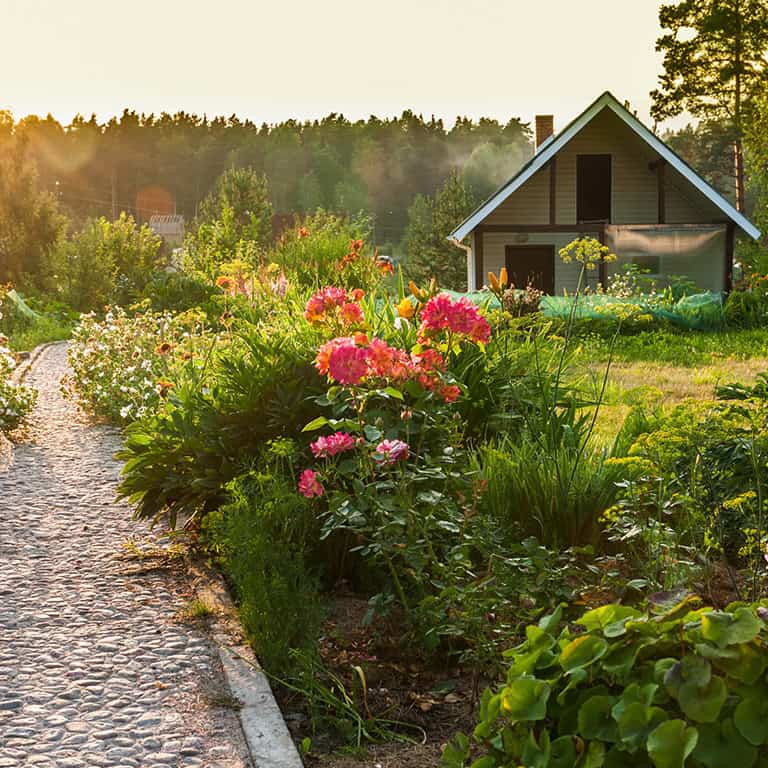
<point x="20" y="305"/>
<point x="700" y="312"/>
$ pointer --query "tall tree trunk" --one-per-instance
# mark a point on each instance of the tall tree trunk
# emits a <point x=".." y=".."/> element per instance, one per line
<point x="738" y="162"/>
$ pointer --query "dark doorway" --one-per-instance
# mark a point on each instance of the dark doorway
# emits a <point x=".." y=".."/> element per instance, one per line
<point x="532" y="265"/>
<point x="593" y="188"/>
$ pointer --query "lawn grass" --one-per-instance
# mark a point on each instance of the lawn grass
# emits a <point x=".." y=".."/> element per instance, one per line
<point x="662" y="369"/>
<point x="679" y="348"/>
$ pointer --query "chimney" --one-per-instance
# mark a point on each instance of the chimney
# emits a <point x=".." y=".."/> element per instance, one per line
<point x="545" y="127"/>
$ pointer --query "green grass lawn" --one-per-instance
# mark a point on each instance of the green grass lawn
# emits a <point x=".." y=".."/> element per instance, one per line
<point x="663" y="369"/>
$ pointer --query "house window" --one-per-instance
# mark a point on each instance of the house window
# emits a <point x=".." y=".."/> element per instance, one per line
<point x="593" y="188"/>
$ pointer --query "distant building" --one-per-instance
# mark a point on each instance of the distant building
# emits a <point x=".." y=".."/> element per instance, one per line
<point x="169" y="226"/>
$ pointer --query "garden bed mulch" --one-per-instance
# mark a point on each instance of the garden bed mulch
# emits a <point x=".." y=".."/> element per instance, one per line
<point x="432" y="704"/>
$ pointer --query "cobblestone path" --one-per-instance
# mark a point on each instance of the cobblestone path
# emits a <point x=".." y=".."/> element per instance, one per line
<point x="96" y="667"/>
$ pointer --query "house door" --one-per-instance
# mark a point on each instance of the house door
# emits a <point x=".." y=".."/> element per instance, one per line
<point x="531" y="265"/>
<point x="593" y="188"/>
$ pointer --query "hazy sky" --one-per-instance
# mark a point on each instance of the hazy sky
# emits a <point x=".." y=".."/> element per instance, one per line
<point x="305" y="58"/>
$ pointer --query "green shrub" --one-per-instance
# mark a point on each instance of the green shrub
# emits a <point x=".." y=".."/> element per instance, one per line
<point x="261" y="537"/>
<point x="256" y="387"/>
<point x="313" y="253"/>
<point x="674" y="686"/>
<point x="177" y="292"/>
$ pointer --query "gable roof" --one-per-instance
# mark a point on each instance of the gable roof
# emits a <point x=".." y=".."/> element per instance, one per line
<point x="553" y="145"/>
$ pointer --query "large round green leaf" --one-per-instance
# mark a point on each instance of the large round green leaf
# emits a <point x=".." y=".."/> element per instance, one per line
<point x="751" y="717"/>
<point x="703" y="704"/>
<point x="562" y="753"/>
<point x="582" y="651"/>
<point x="724" y="629"/>
<point x="526" y="699"/>
<point x="722" y="746"/>
<point x="637" y="721"/>
<point x="747" y="663"/>
<point x="670" y="743"/>
<point x="596" y="720"/>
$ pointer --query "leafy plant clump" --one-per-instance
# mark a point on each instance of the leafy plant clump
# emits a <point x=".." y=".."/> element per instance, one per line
<point x="676" y="685"/>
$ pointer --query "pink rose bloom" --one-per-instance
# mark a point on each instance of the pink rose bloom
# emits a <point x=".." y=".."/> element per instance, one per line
<point x="343" y="360"/>
<point x="309" y="485"/>
<point x="460" y="317"/>
<point x="390" y="451"/>
<point x="326" y="447"/>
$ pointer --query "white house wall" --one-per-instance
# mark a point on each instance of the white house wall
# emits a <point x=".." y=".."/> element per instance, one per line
<point x="566" y="275"/>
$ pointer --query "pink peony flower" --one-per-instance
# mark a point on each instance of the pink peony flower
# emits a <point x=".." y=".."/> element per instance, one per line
<point x="331" y="445"/>
<point x="342" y="360"/>
<point x="309" y="485"/>
<point x="450" y="393"/>
<point x="460" y="317"/>
<point x="390" y="451"/>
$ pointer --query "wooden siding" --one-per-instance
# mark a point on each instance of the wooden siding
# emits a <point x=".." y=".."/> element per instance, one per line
<point x="634" y="185"/>
<point x="528" y="205"/>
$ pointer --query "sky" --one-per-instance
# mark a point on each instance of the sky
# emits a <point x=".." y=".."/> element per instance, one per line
<point x="269" y="61"/>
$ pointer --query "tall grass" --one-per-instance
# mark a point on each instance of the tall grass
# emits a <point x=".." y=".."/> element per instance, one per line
<point x="556" y="495"/>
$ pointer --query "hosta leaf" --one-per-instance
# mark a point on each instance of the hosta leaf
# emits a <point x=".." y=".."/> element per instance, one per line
<point x="722" y="746"/>
<point x="536" y="755"/>
<point x="317" y="423"/>
<point x="526" y="699"/>
<point x="582" y="651"/>
<point x="670" y="743"/>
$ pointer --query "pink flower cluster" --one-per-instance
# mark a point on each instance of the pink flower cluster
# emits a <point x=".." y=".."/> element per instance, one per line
<point x="309" y="485"/>
<point x="350" y="360"/>
<point x="460" y="317"/>
<point x="332" y="303"/>
<point x="331" y="445"/>
<point x="389" y="452"/>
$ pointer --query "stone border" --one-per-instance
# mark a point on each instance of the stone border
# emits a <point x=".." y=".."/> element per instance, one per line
<point x="269" y="740"/>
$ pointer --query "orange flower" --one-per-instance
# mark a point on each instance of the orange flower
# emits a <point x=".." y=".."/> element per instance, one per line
<point x="385" y="267"/>
<point x="406" y="309"/>
<point x="163" y="386"/>
<point x="225" y="282"/>
<point x="303" y="232"/>
<point x="164" y="348"/>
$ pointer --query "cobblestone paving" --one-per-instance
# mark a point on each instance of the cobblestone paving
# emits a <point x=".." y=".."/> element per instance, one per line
<point x="96" y="667"/>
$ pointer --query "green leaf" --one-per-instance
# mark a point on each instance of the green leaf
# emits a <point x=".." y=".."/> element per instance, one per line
<point x="745" y="663"/>
<point x="595" y="755"/>
<point x="728" y="629"/>
<point x="372" y="434"/>
<point x="721" y="746"/>
<point x="607" y="615"/>
<point x="562" y="753"/>
<point x="595" y="719"/>
<point x="637" y="721"/>
<point x="550" y="622"/>
<point x="536" y="755"/>
<point x="582" y="651"/>
<point x="751" y="717"/>
<point x="317" y="423"/>
<point x="392" y="392"/>
<point x="526" y="699"/>
<point x="670" y="743"/>
<point x="703" y="704"/>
